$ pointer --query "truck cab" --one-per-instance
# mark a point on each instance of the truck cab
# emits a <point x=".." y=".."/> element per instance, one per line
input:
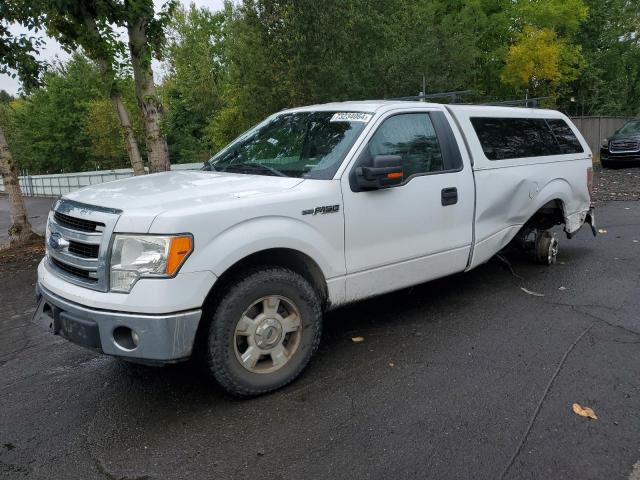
<point x="313" y="208"/>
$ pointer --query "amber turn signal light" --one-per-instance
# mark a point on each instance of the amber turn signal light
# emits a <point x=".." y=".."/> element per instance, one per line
<point x="179" y="250"/>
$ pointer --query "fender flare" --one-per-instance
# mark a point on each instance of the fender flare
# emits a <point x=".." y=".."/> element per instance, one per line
<point x="270" y="232"/>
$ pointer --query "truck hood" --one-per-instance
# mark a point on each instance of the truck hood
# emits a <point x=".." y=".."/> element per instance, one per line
<point x="150" y="195"/>
<point x="624" y="136"/>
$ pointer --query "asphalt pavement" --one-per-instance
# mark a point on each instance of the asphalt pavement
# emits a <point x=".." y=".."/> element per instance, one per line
<point x="468" y="377"/>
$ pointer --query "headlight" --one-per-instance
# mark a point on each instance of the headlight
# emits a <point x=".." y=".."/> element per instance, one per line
<point x="140" y="256"/>
<point x="605" y="142"/>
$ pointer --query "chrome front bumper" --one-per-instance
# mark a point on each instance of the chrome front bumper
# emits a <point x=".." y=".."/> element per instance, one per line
<point x="160" y="339"/>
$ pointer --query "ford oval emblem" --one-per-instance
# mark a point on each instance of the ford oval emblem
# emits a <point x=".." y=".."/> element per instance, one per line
<point x="57" y="242"/>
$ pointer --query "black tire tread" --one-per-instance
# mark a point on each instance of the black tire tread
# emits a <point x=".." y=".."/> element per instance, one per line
<point x="217" y="327"/>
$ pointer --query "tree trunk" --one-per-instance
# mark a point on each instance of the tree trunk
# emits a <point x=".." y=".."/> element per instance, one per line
<point x="106" y="69"/>
<point x="129" y="134"/>
<point x="150" y="104"/>
<point x="20" y="230"/>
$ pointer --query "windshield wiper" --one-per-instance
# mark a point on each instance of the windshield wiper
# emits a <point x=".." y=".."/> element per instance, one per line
<point x="251" y="167"/>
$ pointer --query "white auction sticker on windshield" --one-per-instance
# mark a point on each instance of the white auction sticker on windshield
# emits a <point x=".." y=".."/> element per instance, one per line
<point x="351" y="117"/>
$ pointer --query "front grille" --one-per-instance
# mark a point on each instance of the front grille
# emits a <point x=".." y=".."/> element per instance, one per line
<point x="84" y="250"/>
<point x="78" y="223"/>
<point x="79" y="251"/>
<point x="75" y="271"/>
<point x="624" y="146"/>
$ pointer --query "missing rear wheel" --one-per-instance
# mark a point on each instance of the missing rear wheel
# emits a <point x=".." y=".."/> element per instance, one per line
<point x="546" y="248"/>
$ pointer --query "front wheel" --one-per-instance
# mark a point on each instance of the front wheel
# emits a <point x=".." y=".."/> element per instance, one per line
<point x="264" y="331"/>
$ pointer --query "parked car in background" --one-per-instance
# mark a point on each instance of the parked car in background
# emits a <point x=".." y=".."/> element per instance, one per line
<point x="623" y="147"/>
<point x="314" y="208"/>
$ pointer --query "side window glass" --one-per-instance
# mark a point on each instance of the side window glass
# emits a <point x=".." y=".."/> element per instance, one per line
<point x="507" y="138"/>
<point x="567" y="140"/>
<point x="413" y="137"/>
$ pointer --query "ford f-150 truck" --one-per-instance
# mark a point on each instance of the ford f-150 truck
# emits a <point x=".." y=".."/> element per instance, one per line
<point x="313" y="208"/>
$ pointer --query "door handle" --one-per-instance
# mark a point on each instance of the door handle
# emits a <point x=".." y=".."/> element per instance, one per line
<point x="449" y="196"/>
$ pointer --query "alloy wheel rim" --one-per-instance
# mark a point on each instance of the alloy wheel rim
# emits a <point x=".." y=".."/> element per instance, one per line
<point x="268" y="334"/>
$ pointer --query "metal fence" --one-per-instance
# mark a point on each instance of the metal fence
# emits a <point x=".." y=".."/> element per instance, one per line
<point x="54" y="185"/>
<point x="595" y="129"/>
<point x="59" y="184"/>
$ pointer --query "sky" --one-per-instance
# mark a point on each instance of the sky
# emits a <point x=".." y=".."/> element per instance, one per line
<point x="52" y="51"/>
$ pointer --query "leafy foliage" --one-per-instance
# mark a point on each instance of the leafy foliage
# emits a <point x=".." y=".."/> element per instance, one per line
<point x="227" y="70"/>
<point x="610" y="40"/>
<point x="6" y="97"/>
<point x="18" y="53"/>
<point x="539" y="59"/>
<point x="193" y="86"/>
<point x="54" y="129"/>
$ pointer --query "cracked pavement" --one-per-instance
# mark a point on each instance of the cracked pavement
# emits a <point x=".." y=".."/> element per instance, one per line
<point x="472" y="355"/>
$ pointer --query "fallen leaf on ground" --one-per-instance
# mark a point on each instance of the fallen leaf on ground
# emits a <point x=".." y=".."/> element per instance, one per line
<point x="391" y="364"/>
<point x="602" y="230"/>
<point x="535" y="294"/>
<point x="584" y="411"/>
<point x="357" y="339"/>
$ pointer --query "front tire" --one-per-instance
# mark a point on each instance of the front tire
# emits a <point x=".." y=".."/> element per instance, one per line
<point x="264" y="331"/>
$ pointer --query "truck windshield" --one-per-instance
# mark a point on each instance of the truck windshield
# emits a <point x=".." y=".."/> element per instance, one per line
<point x="631" y="127"/>
<point x="297" y="144"/>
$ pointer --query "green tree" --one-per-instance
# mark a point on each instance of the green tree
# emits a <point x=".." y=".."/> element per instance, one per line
<point x="540" y="62"/>
<point x="87" y="24"/>
<point x="17" y="57"/>
<point x="49" y="128"/>
<point x="287" y="53"/>
<point x="610" y="40"/>
<point x="146" y="33"/>
<point x="543" y="56"/>
<point x="20" y="230"/>
<point x="18" y="54"/>
<point x="193" y="86"/>
<point x="5" y="97"/>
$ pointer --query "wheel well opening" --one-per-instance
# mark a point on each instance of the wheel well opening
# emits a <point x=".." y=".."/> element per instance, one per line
<point x="274" y="257"/>
<point x="547" y="216"/>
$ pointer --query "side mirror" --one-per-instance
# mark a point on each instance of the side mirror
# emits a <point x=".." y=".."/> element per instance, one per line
<point x="386" y="171"/>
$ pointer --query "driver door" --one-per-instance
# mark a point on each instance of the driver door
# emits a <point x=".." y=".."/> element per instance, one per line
<point x="420" y="229"/>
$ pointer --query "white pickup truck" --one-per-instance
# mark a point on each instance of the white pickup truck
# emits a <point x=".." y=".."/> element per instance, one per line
<point x="313" y="208"/>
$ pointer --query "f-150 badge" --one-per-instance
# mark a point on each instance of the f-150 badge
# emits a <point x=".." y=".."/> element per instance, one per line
<point x="322" y="210"/>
